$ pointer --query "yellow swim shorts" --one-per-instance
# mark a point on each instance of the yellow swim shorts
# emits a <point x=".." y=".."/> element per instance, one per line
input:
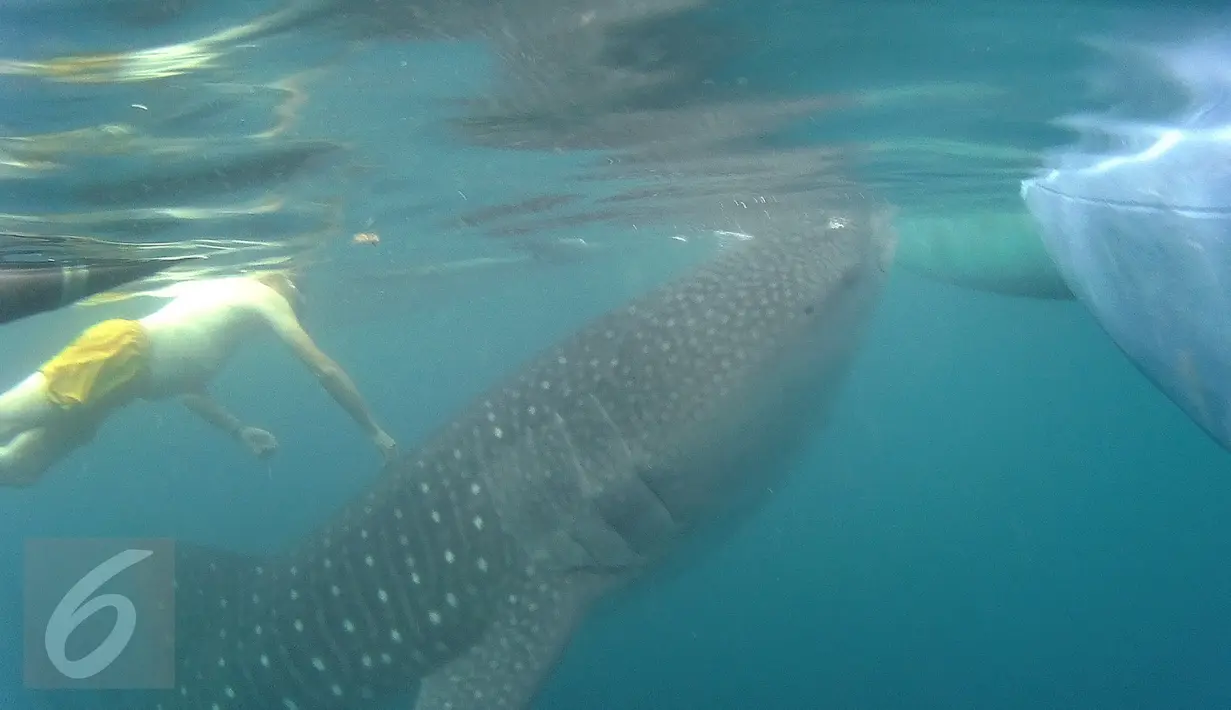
<point x="101" y="363"/>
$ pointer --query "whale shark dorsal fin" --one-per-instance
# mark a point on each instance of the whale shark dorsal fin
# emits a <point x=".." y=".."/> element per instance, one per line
<point x="507" y="667"/>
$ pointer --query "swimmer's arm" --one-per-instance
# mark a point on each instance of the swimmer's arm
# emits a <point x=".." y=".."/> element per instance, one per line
<point x="331" y="376"/>
<point x="208" y="409"/>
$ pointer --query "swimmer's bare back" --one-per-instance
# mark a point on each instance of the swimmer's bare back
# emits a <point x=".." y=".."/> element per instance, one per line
<point x="192" y="337"/>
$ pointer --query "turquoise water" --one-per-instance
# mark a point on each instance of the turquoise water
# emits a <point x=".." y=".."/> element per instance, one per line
<point x="1002" y="513"/>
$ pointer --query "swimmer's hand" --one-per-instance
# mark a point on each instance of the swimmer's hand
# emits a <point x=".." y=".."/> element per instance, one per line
<point x="261" y="443"/>
<point x="388" y="447"/>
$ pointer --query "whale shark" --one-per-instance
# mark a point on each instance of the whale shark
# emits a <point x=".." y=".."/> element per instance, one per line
<point x="467" y="565"/>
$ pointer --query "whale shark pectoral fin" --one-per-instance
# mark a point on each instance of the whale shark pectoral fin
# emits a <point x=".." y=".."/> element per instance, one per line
<point x="507" y="667"/>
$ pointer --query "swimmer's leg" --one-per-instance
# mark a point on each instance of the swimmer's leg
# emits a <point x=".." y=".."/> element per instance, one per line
<point x="25" y="407"/>
<point x="24" y="461"/>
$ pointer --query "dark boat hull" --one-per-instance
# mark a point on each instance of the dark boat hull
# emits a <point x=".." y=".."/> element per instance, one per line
<point x="30" y="289"/>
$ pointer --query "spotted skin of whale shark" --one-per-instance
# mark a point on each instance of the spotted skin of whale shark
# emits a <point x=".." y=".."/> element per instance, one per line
<point x="469" y="563"/>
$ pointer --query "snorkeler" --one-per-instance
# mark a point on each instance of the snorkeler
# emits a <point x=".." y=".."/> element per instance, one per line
<point x="173" y="352"/>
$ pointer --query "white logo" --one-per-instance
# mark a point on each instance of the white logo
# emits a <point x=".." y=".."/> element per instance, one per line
<point x="76" y="607"/>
